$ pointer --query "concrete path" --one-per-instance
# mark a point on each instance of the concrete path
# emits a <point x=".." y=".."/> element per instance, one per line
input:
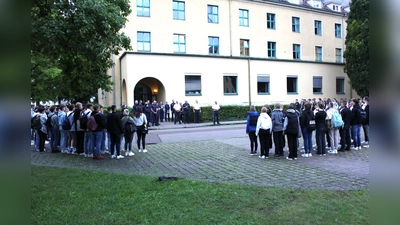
<point x="221" y="154"/>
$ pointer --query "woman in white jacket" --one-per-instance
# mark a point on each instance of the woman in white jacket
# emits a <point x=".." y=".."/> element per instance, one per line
<point x="263" y="131"/>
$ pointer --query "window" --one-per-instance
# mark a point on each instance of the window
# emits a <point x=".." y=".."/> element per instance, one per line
<point x="230" y="84"/>
<point x="291" y="84"/>
<point x="192" y="85"/>
<point x="340" y="85"/>
<point x="213" y="45"/>
<point x="317" y="27"/>
<point x="338" y="54"/>
<point x="271" y="49"/>
<point x="244" y="47"/>
<point x="243" y="17"/>
<point x="318" y="53"/>
<point x="296" y="51"/>
<point x="271" y="21"/>
<point x="179" y="43"/>
<point x="263" y="84"/>
<point x="296" y="24"/>
<point x="212" y="12"/>
<point x="143" y="7"/>
<point x="338" y="30"/>
<point x="143" y="41"/>
<point x="317" y="85"/>
<point x="179" y="10"/>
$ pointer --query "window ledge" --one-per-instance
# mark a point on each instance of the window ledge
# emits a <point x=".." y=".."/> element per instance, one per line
<point x="231" y="94"/>
<point x="292" y="93"/>
<point x="263" y="93"/>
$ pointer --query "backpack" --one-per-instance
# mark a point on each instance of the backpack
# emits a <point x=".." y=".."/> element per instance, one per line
<point x="310" y="123"/>
<point x="129" y="127"/>
<point x="83" y="120"/>
<point x="253" y="120"/>
<point x="48" y="121"/>
<point x="363" y="117"/>
<point x="337" y="120"/>
<point x="66" y="125"/>
<point x="91" y="123"/>
<point x="35" y="123"/>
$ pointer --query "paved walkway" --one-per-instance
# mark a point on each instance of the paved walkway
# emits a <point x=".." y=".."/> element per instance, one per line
<point x="223" y="159"/>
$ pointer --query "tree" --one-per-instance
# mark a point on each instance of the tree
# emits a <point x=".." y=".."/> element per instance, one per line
<point x="357" y="47"/>
<point x="72" y="43"/>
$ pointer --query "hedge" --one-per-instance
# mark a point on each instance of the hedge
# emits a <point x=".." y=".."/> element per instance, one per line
<point x="226" y="113"/>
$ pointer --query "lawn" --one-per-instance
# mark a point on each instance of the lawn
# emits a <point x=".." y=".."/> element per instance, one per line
<point x="69" y="196"/>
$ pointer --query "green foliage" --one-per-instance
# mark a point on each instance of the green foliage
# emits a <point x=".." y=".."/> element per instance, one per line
<point x="357" y="47"/>
<point x="78" y="38"/>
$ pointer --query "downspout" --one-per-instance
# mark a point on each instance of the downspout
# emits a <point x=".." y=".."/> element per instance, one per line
<point x="230" y="28"/>
<point x="248" y="75"/>
<point x="343" y="46"/>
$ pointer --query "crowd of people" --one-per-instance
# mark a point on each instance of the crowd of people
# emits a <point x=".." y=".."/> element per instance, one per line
<point x="75" y="130"/>
<point x="335" y="126"/>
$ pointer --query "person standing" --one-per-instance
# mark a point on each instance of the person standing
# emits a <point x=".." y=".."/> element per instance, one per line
<point x="291" y="130"/>
<point x="196" y="112"/>
<point x="63" y="133"/>
<point x="277" y="118"/>
<point x="306" y="116"/>
<point x="114" y="127"/>
<point x="263" y="131"/>
<point x="87" y="145"/>
<point x="365" y="126"/>
<point x="186" y="108"/>
<point x="251" y="126"/>
<point x="177" y="110"/>
<point x="153" y="112"/>
<point x="334" y="132"/>
<point x="172" y="111"/>
<point x="162" y="111"/>
<point x="80" y="133"/>
<point x="54" y="130"/>
<point x="215" y="107"/>
<point x="128" y="134"/>
<point x="97" y="135"/>
<point x="140" y="121"/>
<point x="345" y="140"/>
<point x="43" y="130"/>
<point x="148" y="113"/>
<point x="356" y="124"/>
<point x="167" y="111"/>
<point x="320" y="130"/>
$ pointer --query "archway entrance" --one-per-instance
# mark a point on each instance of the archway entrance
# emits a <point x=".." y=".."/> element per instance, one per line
<point x="149" y="89"/>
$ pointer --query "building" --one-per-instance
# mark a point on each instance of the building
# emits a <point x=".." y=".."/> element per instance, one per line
<point x="233" y="51"/>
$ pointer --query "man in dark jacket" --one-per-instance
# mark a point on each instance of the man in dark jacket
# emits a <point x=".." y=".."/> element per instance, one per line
<point x="356" y="124"/>
<point x="345" y="140"/>
<point x="114" y="128"/>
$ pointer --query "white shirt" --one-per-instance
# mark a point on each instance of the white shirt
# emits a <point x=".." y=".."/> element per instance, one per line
<point x="177" y="107"/>
<point x="215" y="107"/>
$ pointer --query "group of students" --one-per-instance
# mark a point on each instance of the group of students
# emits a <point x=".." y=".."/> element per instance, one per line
<point x="177" y="112"/>
<point x="336" y="123"/>
<point x="81" y="131"/>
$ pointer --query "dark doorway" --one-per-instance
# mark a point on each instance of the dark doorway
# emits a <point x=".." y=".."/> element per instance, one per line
<point x="142" y="92"/>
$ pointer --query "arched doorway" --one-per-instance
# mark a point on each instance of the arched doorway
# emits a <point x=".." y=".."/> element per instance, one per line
<point x="149" y="89"/>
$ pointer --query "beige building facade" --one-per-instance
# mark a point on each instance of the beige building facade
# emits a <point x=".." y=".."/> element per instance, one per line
<point x="233" y="52"/>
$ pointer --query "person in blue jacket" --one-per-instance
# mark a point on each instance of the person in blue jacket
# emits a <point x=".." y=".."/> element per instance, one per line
<point x="251" y="129"/>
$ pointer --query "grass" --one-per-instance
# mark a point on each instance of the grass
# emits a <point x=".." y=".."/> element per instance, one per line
<point x="69" y="196"/>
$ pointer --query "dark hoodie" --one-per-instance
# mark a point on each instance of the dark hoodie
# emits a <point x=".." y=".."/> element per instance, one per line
<point x="249" y="127"/>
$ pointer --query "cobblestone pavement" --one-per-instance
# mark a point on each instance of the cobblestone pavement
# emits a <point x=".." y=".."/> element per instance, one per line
<point x="219" y="158"/>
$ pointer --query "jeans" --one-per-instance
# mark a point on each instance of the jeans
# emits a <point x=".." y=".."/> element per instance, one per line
<point x="356" y="131"/>
<point x="177" y="117"/>
<point x="345" y="140"/>
<point x="334" y="138"/>
<point x="103" y="140"/>
<point x="185" y="117"/>
<point x="37" y="140"/>
<point x="63" y="140"/>
<point x="216" y="117"/>
<point x="307" y="137"/>
<point x="87" y="145"/>
<point x="128" y="141"/>
<point x="196" y="116"/>
<point x="54" y="138"/>
<point x="141" y="137"/>
<point x="96" y="141"/>
<point x="366" y="132"/>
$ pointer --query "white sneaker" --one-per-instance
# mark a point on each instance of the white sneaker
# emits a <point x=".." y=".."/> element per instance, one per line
<point x="144" y="150"/>
<point x="359" y="148"/>
<point x="304" y="155"/>
<point x="139" y="150"/>
<point x="113" y="156"/>
<point x="354" y="148"/>
<point x="309" y="155"/>
<point x="131" y="154"/>
<point x="331" y="151"/>
<point x="366" y="146"/>
<point x="302" y="150"/>
<point x="261" y="157"/>
<point x="289" y="158"/>
<point x="120" y="157"/>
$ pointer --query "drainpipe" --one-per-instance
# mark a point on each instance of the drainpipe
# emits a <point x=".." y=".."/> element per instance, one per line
<point x="248" y="75"/>
<point x="230" y="28"/>
<point x="113" y="78"/>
